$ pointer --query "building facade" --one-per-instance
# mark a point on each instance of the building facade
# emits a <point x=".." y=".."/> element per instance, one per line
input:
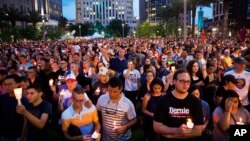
<point x="153" y="8"/>
<point x="104" y="11"/>
<point x="50" y="10"/>
<point x="238" y="17"/>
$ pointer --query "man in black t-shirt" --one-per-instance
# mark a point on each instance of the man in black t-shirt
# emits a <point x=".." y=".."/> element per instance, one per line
<point x="11" y="123"/>
<point x="175" y="109"/>
<point x="36" y="115"/>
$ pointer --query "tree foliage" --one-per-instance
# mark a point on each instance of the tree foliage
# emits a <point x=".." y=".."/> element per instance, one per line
<point x="34" y="17"/>
<point x="115" y="28"/>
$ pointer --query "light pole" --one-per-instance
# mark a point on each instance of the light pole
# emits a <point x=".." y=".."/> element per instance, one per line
<point x="122" y="30"/>
<point x="185" y="21"/>
<point x="43" y="29"/>
<point x="137" y="27"/>
<point x="80" y="32"/>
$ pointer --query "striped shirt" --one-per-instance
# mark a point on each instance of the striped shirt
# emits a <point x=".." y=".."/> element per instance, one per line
<point x="115" y="114"/>
<point x="84" y="120"/>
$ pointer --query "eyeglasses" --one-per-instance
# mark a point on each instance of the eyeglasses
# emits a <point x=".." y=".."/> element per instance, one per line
<point x="78" y="101"/>
<point x="184" y="81"/>
<point x="111" y="111"/>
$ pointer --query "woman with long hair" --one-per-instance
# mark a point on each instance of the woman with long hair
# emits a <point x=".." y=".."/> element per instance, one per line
<point x="149" y="103"/>
<point x="229" y="112"/>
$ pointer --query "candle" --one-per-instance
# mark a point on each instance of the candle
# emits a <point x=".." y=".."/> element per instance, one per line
<point x="34" y="63"/>
<point x="94" y="135"/>
<point x="18" y="94"/>
<point x="190" y="124"/>
<point x="240" y="122"/>
<point x="130" y="63"/>
<point x="62" y="92"/>
<point x="173" y="68"/>
<point x="51" y="82"/>
<point x="98" y="90"/>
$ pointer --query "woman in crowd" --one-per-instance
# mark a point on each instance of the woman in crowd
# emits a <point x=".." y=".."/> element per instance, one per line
<point x="148" y="107"/>
<point x="195" y="73"/>
<point x="197" y="92"/>
<point x="229" y="112"/>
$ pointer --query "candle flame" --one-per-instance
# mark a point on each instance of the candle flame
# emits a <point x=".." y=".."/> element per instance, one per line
<point x="240" y="119"/>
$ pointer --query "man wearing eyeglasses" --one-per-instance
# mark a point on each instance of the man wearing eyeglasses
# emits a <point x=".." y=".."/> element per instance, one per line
<point x="78" y="121"/>
<point x="118" y="113"/>
<point x="176" y="108"/>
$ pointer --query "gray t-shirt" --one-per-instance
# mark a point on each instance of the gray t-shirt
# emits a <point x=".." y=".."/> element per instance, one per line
<point x="218" y="134"/>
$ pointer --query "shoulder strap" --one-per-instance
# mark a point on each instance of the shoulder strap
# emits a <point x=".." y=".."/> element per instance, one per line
<point x="233" y="118"/>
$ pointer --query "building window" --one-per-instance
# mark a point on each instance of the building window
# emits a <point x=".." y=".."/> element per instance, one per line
<point x="248" y="9"/>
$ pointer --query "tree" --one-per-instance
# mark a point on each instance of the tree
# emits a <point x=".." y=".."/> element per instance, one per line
<point x="145" y="30"/>
<point x="34" y="17"/>
<point x="225" y="19"/>
<point x="166" y="13"/>
<point x="115" y="28"/>
<point x="62" y="22"/>
<point x="12" y="15"/>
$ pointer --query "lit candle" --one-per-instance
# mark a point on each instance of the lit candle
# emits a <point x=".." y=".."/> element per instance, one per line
<point x="18" y="94"/>
<point x="62" y="92"/>
<point x="190" y="124"/>
<point x="94" y="135"/>
<point x="51" y="82"/>
<point x="173" y="68"/>
<point x="98" y="90"/>
<point x="130" y="63"/>
<point x="240" y="122"/>
<point x="34" y="63"/>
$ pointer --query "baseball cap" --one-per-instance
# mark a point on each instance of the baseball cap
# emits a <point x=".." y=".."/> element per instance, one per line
<point x="240" y="59"/>
<point x="103" y="71"/>
<point x="70" y="76"/>
<point x="230" y="78"/>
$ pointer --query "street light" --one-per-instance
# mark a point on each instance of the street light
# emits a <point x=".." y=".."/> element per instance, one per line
<point x="123" y="30"/>
<point x="12" y="38"/>
<point x="80" y="32"/>
<point x="43" y="29"/>
<point x="185" y="21"/>
<point x="137" y="28"/>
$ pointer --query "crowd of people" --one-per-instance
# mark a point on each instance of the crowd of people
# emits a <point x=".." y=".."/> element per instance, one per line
<point x="97" y="89"/>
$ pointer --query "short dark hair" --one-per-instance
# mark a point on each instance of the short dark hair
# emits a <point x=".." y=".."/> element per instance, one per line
<point x="3" y="72"/>
<point x="192" y="88"/>
<point x="78" y="90"/>
<point x="179" y="71"/>
<point x="38" y="88"/>
<point x="15" y="77"/>
<point x="24" y="79"/>
<point x="34" y="68"/>
<point x="156" y="81"/>
<point x="115" y="82"/>
<point x="229" y="93"/>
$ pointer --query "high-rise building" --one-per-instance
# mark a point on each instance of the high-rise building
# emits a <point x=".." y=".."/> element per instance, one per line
<point x="50" y="10"/>
<point x="104" y="11"/>
<point x="153" y="8"/>
<point x="238" y="16"/>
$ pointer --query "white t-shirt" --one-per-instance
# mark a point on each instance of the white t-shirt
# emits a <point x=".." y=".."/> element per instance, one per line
<point x="77" y="48"/>
<point x="243" y="86"/>
<point x="131" y="83"/>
